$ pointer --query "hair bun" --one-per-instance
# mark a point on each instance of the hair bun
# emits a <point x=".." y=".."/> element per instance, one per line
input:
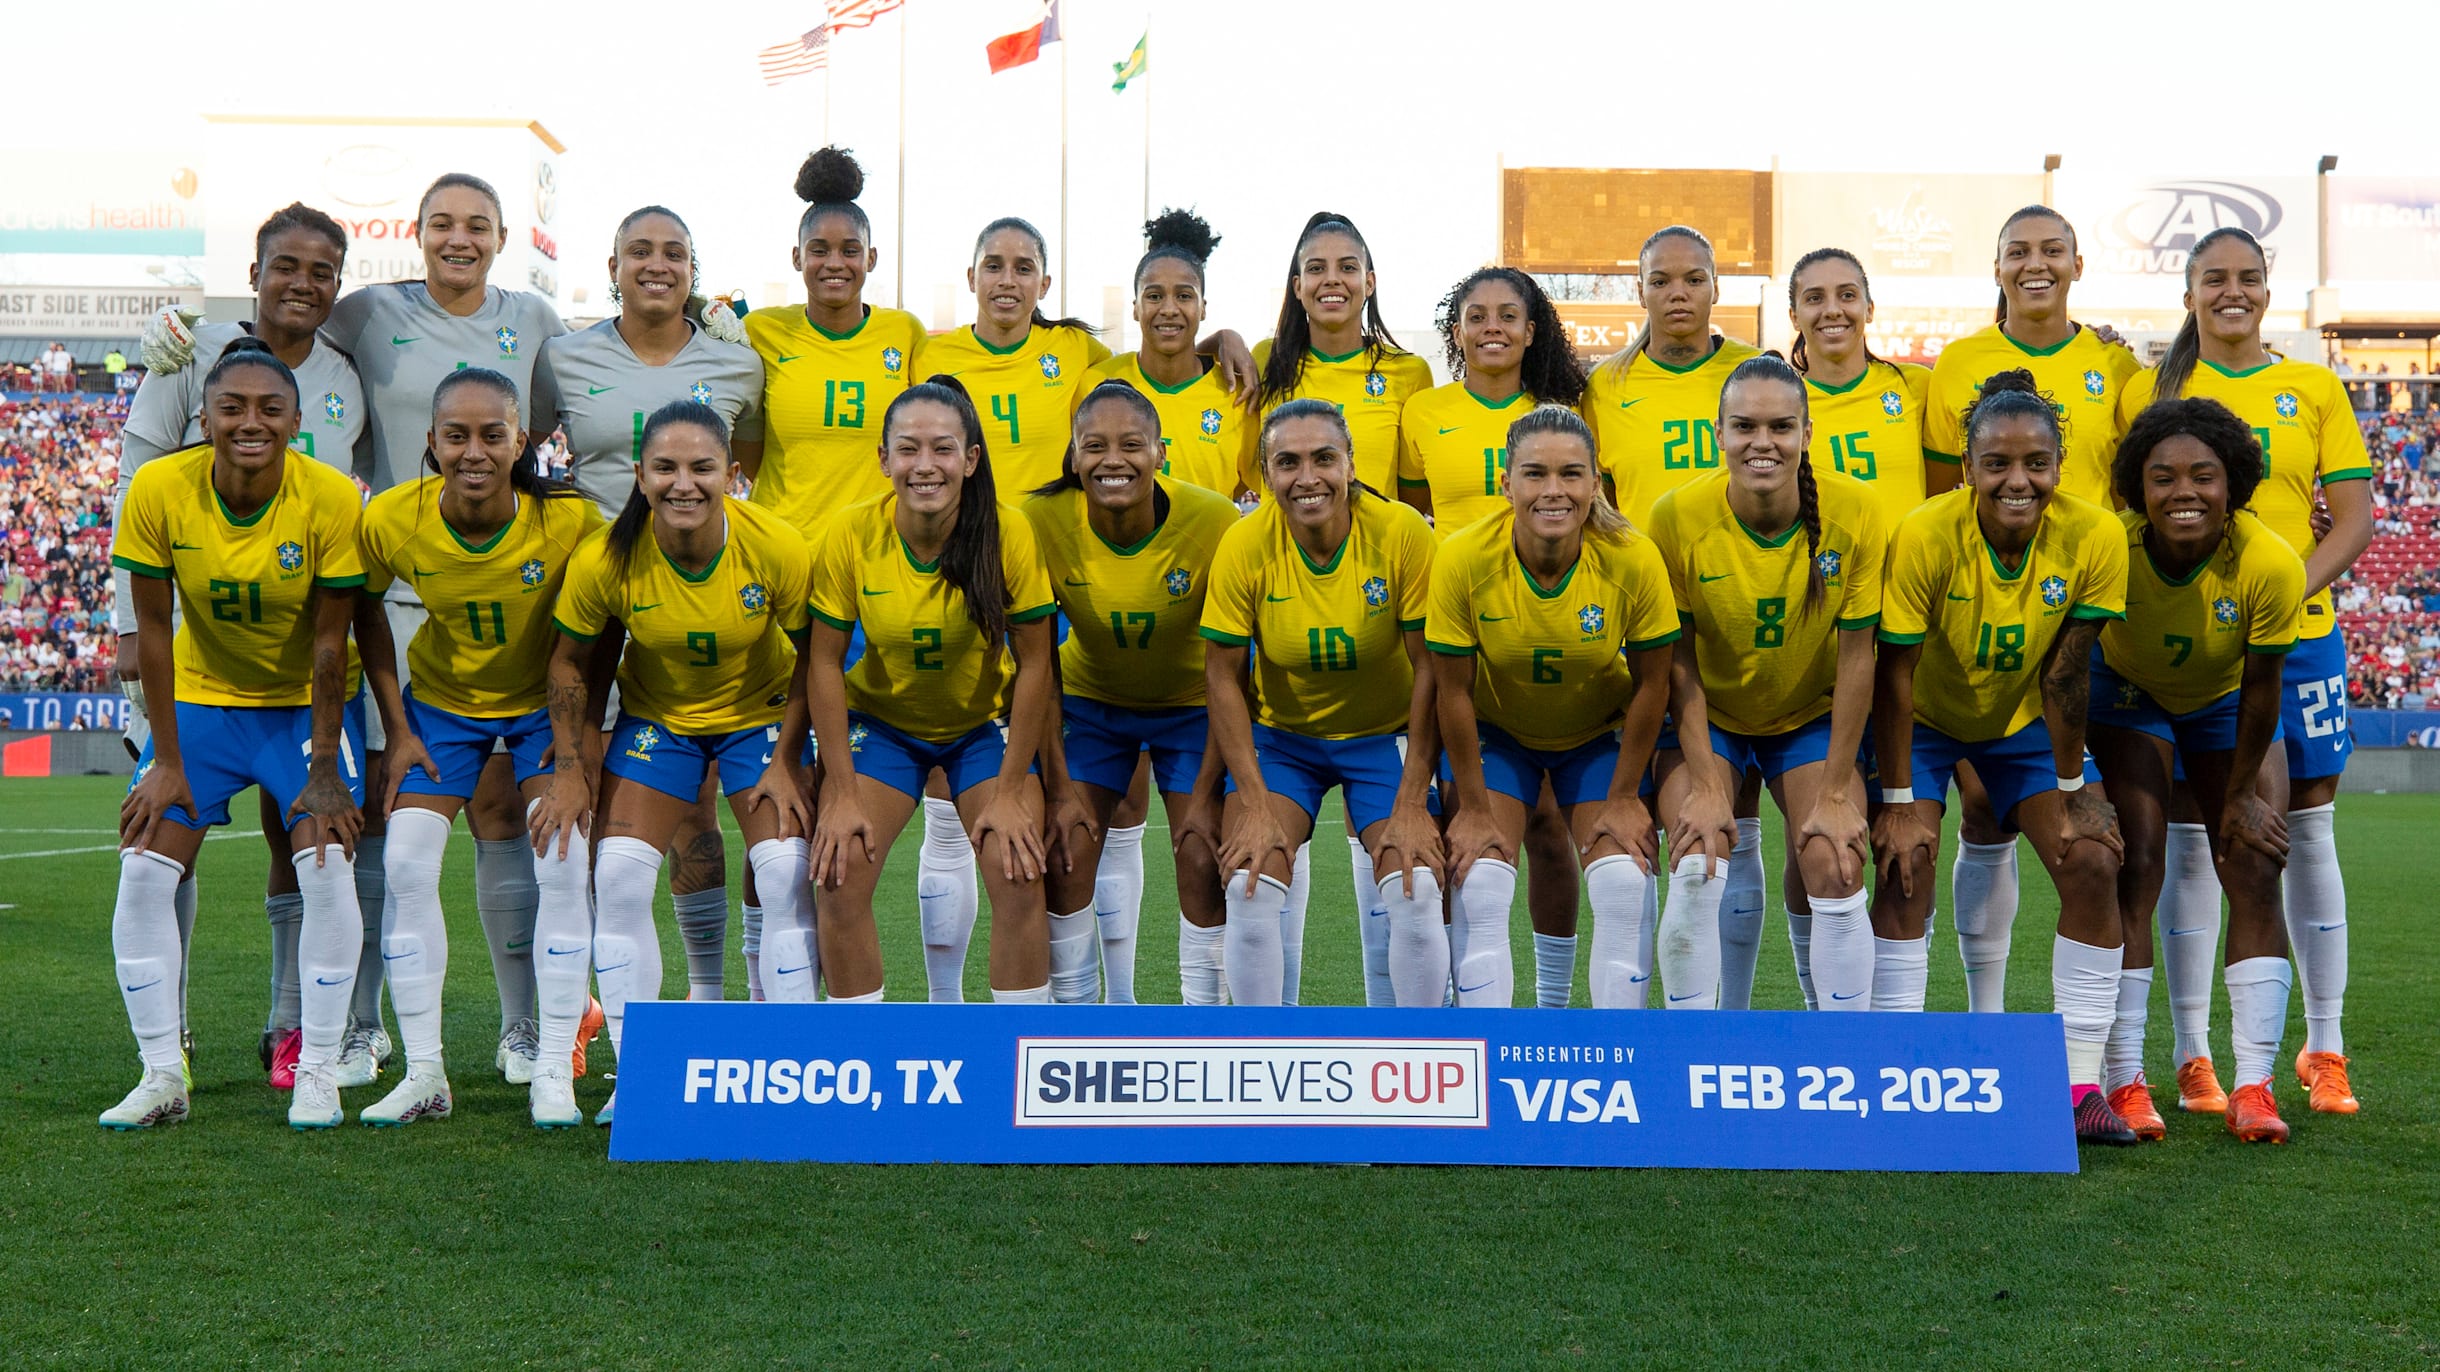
<point x="2013" y="379"/>
<point x="830" y="176"/>
<point x="248" y="343"/>
<point x="1182" y="230"/>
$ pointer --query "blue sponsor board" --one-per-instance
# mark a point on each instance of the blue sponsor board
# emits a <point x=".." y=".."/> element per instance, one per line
<point x="41" y="710"/>
<point x="1165" y="1084"/>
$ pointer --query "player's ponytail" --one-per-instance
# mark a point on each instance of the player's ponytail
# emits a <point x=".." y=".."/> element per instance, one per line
<point x="2033" y="212"/>
<point x="2011" y="394"/>
<point x="1550" y="371"/>
<point x="970" y="560"/>
<point x="1292" y="336"/>
<point x="1042" y="250"/>
<point x="627" y="531"/>
<point x="2177" y="368"/>
<point x="1622" y="360"/>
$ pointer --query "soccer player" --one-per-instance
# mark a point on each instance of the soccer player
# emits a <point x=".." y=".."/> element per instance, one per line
<point x="2191" y="678"/>
<point x="2300" y="414"/>
<point x="1207" y="437"/>
<point x="299" y="255"/>
<point x="948" y="586"/>
<point x="711" y="594"/>
<point x="1777" y="570"/>
<point x="1321" y="593"/>
<point x="486" y="538"/>
<point x="1129" y="553"/>
<point x="1867" y="413"/>
<point x="1994" y="596"/>
<point x="1654" y="408"/>
<point x="262" y="551"/>
<point x="1545" y="619"/>
<point x="598" y="385"/>
<point x="1510" y="353"/>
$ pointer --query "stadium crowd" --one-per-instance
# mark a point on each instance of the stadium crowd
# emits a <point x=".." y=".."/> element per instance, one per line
<point x="59" y="463"/>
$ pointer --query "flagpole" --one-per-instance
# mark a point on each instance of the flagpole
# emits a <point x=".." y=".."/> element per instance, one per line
<point x="1147" y="42"/>
<point x="1063" y="169"/>
<point x="902" y="158"/>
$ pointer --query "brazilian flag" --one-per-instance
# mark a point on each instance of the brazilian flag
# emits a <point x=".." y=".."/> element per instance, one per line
<point x="1133" y="67"/>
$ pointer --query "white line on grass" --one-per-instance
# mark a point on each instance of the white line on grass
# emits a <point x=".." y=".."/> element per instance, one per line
<point x="106" y="847"/>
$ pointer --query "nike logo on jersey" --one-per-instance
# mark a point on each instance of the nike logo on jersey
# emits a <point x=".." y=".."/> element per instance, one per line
<point x="1707" y="580"/>
<point x="1631" y="404"/>
<point x="422" y="573"/>
<point x="1270" y="599"/>
<point x="639" y="609"/>
<point x="1954" y="596"/>
<point x="1492" y="619"/>
<point x="870" y="591"/>
<point x="177" y="547"/>
<point x="789" y="357"/>
<point x="397" y="342"/>
<point x="1065" y="581"/>
<point x="597" y="390"/>
<point x="1444" y="433"/>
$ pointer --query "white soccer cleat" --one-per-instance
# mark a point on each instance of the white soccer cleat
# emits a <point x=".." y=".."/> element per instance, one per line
<point x="552" y="1097"/>
<point x="315" y="1102"/>
<point x="423" y="1094"/>
<point x="382" y="1047"/>
<point x="359" y="1062"/>
<point x="604" y="1116"/>
<point x="520" y="1043"/>
<point x="160" y="1098"/>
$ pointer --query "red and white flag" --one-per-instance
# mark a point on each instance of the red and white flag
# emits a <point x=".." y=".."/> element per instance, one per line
<point x="810" y="51"/>
<point x="859" y="14"/>
<point x="1023" y="46"/>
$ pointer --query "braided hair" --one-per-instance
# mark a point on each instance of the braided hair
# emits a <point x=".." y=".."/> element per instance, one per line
<point x="1772" y="368"/>
<point x="1551" y="372"/>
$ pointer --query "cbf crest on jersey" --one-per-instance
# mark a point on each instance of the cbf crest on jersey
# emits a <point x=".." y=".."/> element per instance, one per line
<point x="2095" y="383"/>
<point x="1210" y="423"/>
<point x="292" y="556"/>
<point x="1892" y="404"/>
<point x="2054" y="591"/>
<point x="646" y="739"/>
<point x="1178" y="582"/>
<point x="1050" y="366"/>
<point x="892" y="360"/>
<point x="2286" y="404"/>
<point x="1374" y="385"/>
<point x="334" y="406"/>
<point x="700" y="393"/>
<point x="753" y="597"/>
<point x="532" y="572"/>
<point x="1376" y="592"/>
<point x="1827" y="564"/>
<point x="1590" y="619"/>
<point x="507" y="338"/>
<point x="2224" y="610"/>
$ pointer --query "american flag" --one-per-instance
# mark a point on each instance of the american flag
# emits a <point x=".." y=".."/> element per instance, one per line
<point x="809" y="51"/>
<point x="859" y="14"/>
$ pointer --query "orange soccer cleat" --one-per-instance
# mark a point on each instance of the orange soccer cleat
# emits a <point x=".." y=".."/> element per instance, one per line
<point x="2254" y="1116"/>
<point x="2198" y="1088"/>
<point x="587" y="1029"/>
<point x="2133" y="1102"/>
<point x="2325" y="1080"/>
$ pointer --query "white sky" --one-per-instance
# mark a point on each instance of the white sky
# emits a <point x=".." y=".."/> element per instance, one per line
<point x="1398" y="114"/>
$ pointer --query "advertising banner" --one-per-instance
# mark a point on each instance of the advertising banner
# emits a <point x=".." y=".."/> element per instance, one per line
<point x="1595" y="220"/>
<point x="1901" y="225"/>
<point x="64" y="710"/>
<point x="87" y="311"/>
<point x="2384" y="229"/>
<point x="2135" y="233"/>
<point x="132" y="199"/>
<point x="1169" y="1084"/>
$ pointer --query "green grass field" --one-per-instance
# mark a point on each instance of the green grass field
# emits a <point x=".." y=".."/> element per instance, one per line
<point x="479" y="1241"/>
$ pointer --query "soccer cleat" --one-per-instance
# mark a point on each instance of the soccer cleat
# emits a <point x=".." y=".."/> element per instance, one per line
<point x="2325" y="1081"/>
<point x="283" y="1063"/>
<point x="552" y="1098"/>
<point x="358" y="1064"/>
<point x="315" y="1104"/>
<point x="423" y="1094"/>
<point x="602" y="1116"/>
<point x="382" y="1048"/>
<point x="2198" y="1088"/>
<point x="186" y="1056"/>
<point x="2254" y="1116"/>
<point x="587" y="1029"/>
<point x="160" y="1098"/>
<point x="2133" y="1103"/>
<point x="2096" y="1122"/>
<point x="518" y="1045"/>
<point x="268" y="1045"/>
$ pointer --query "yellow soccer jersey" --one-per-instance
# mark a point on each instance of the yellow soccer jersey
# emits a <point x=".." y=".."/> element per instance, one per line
<point x="2184" y="641"/>
<point x="1371" y="393"/>
<point x="1210" y="437"/>
<point x="1985" y="629"/>
<point x="926" y="670"/>
<point x="707" y="653"/>
<point x="1329" y="638"/>
<point x="1658" y="425"/>
<point x="1026" y="394"/>
<point x="1871" y="429"/>
<point x="1547" y="664"/>
<point x="247" y="634"/>
<point x="1455" y="444"/>
<point x="2301" y="415"/>
<point x="484" y="651"/>
<point x="2083" y="377"/>
<point x="823" y="397"/>
<point x="1768" y="666"/>
<point x="1133" y="612"/>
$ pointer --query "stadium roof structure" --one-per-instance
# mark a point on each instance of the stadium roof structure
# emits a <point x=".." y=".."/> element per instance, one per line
<point x="2425" y="329"/>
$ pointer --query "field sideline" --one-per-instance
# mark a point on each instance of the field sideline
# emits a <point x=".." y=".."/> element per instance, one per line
<point x="476" y="1240"/>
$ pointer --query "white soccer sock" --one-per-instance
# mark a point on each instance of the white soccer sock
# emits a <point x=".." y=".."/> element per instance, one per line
<point x="372" y="898"/>
<point x="703" y="931"/>
<point x="330" y="939"/>
<point x="1418" y="940"/>
<point x="2257" y="1015"/>
<point x="184" y="904"/>
<point x="2190" y="936"/>
<point x="1690" y="936"/>
<point x="1648" y="935"/>
<point x="796" y="958"/>
<point x="1615" y="887"/>
<point x="1741" y="918"/>
<point x="414" y="935"/>
<point x="1075" y="971"/>
<point x="1292" y="925"/>
<point x="286" y="912"/>
<point x="1487" y="973"/>
<point x="563" y="940"/>
<point x="1845" y="956"/>
<point x="1554" y="970"/>
<point x="1800" y="947"/>
<point x="2084" y="990"/>
<point x="1982" y="883"/>
<point x="2122" y="1057"/>
<point x="1901" y="967"/>
<point x="872" y="997"/>
<point x="1372" y="927"/>
<point x="1199" y="970"/>
<point x="1250" y="952"/>
<point x="626" y="945"/>
<point x="1038" y="995"/>
<point x="144" y="940"/>
<point x="1118" y="908"/>
<point x="749" y="942"/>
<point x="2317" y="924"/>
<point x="946" y="900"/>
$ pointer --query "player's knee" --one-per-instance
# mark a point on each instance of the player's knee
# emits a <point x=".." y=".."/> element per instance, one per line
<point x="2087" y="864"/>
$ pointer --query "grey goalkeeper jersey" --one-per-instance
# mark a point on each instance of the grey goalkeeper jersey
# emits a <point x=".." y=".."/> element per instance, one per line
<point x="594" y="386"/>
<point x="404" y="344"/>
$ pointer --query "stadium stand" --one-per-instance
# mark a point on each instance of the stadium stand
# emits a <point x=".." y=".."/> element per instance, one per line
<point x="59" y="463"/>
